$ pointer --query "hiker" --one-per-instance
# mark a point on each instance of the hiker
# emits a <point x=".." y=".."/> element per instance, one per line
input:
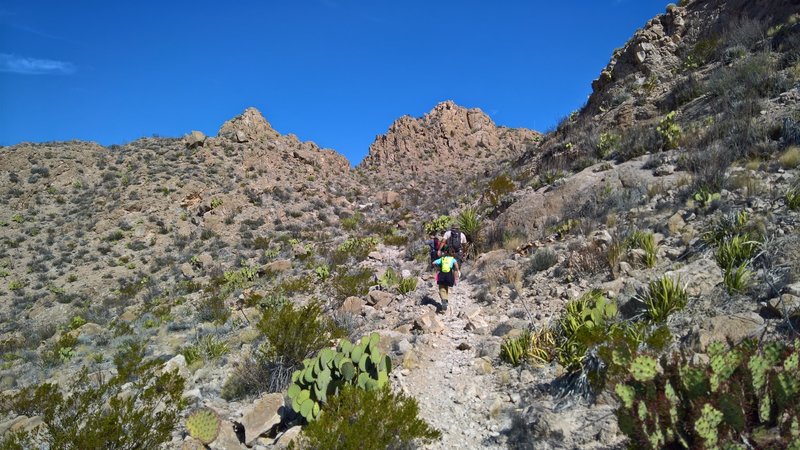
<point x="434" y="246"/>
<point x="447" y="276"/>
<point x="456" y="240"/>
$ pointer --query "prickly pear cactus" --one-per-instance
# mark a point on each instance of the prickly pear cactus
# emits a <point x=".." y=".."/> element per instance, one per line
<point x="203" y="425"/>
<point x="706" y="425"/>
<point x="749" y="393"/>
<point x="643" y="368"/>
<point x="360" y="364"/>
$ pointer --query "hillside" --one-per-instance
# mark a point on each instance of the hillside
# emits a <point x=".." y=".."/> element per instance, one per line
<point x="618" y="266"/>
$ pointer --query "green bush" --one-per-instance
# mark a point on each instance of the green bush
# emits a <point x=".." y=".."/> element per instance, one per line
<point x="368" y="420"/>
<point x="347" y="284"/>
<point x="499" y="187"/>
<point x="727" y="226"/>
<point x="749" y="393"/>
<point x="543" y="259"/>
<point x="438" y="225"/>
<point x="670" y="131"/>
<point x="296" y="333"/>
<point x="663" y="297"/>
<point x="389" y="279"/>
<point x="355" y="249"/>
<point x="138" y="408"/>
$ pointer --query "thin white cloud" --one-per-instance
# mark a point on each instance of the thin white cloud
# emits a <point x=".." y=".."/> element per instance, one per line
<point x="32" y="66"/>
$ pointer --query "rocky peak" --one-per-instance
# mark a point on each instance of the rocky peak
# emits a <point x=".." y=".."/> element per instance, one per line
<point x="248" y="126"/>
<point x="443" y="138"/>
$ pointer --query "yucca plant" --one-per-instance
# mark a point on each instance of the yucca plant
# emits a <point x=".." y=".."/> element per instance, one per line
<point x="736" y="251"/>
<point x="407" y="285"/>
<point x="647" y="242"/>
<point x="792" y="198"/>
<point x="737" y="279"/>
<point x="470" y="224"/>
<point x="726" y="226"/>
<point x="663" y="297"/>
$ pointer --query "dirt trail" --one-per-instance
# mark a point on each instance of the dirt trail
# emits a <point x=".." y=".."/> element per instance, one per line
<point x="454" y="393"/>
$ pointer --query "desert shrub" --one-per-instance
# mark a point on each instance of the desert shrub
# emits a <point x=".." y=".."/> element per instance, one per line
<point x="708" y="167"/>
<point x="364" y="420"/>
<point x="744" y="32"/>
<point x="102" y="413"/>
<point x="296" y="333"/>
<point x="352" y="283"/>
<point x="212" y="307"/>
<point x="356" y="248"/>
<point x="543" y="259"/>
<point x="351" y="223"/>
<point x="389" y="279"/>
<point x="685" y="90"/>
<point x="790" y="158"/>
<point x="499" y="187"/>
<point x="438" y="225"/>
<point x="750" y="78"/>
<point x="663" y="297"/>
<point x="748" y="393"/>
<point x="588" y="260"/>
<point x="701" y="53"/>
<point x="637" y="141"/>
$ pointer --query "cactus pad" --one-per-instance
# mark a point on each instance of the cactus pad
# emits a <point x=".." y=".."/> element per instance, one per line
<point x="203" y="425"/>
<point x="644" y="368"/>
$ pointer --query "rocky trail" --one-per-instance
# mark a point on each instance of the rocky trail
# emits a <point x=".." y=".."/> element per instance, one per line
<point x="450" y="382"/>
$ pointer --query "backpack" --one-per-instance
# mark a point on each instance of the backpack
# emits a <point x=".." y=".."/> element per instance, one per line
<point x="454" y="240"/>
<point x="435" y="248"/>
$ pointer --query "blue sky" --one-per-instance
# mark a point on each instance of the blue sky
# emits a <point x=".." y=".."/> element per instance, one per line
<point x="335" y="72"/>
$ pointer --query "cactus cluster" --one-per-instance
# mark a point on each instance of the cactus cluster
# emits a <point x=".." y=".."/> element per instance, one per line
<point x="360" y="364"/>
<point x="203" y="425"/>
<point x="743" y="394"/>
<point x="584" y="323"/>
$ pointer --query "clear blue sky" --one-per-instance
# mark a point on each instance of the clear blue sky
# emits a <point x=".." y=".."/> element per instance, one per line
<point x="335" y="72"/>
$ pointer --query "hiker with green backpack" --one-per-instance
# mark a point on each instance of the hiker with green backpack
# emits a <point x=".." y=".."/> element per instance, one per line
<point x="447" y="276"/>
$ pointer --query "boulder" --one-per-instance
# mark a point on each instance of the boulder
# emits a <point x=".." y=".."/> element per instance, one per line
<point x="379" y="299"/>
<point x="194" y="139"/>
<point x="261" y="416"/>
<point x="387" y="197"/>
<point x="352" y="305"/>
<point x="725" y="328"/>
<point x="287" y="437"/>
<point x="227" y="438"/>
<point x="429" y="323"/>
<point x="281" y="265"/>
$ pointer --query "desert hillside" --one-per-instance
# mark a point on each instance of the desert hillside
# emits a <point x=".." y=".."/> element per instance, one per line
<point x="632" y="278"/>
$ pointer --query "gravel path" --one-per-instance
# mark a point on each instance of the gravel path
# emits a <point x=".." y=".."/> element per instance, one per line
<point x="453" y="394"/>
